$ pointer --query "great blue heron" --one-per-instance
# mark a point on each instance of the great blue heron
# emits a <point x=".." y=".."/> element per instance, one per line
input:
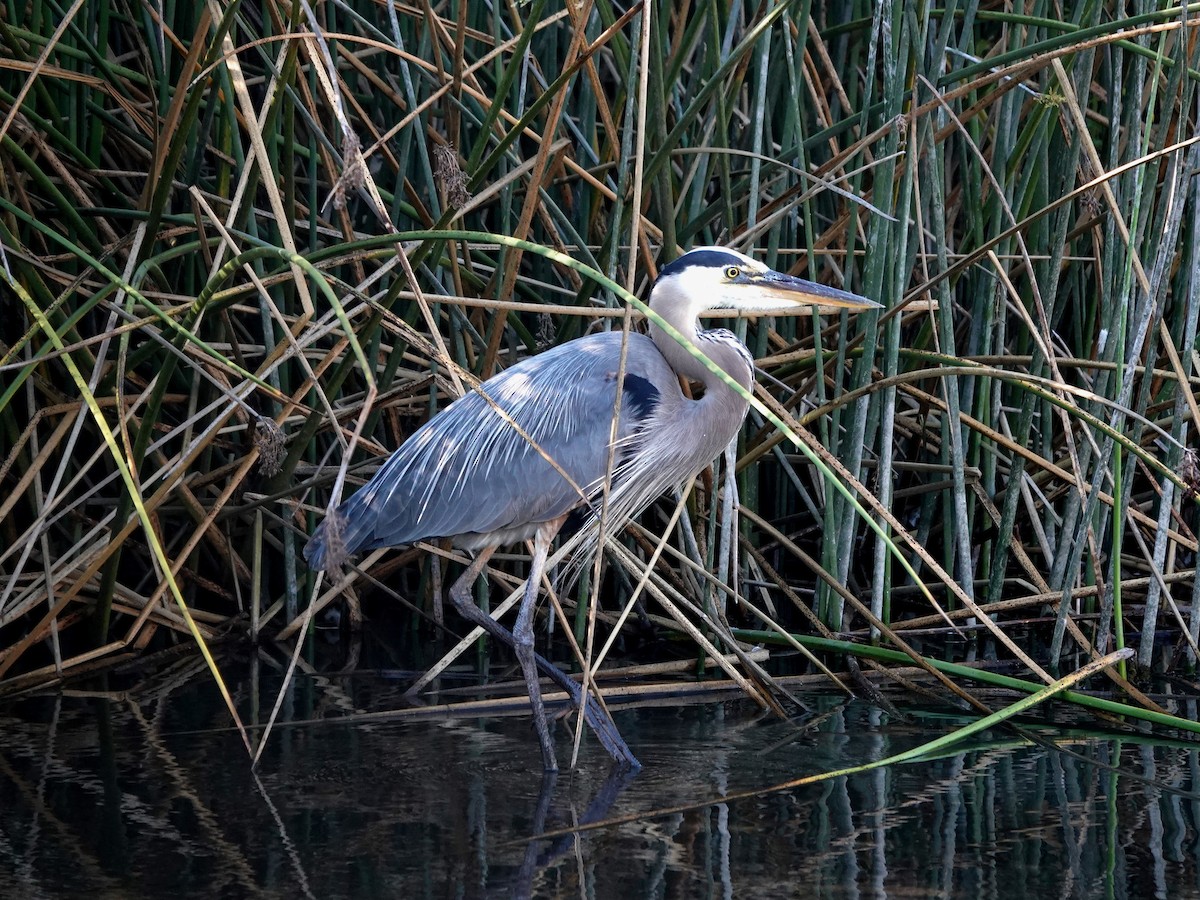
<point x="468" y="474"/>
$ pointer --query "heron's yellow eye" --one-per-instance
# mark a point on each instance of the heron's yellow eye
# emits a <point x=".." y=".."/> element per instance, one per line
<point x="732" y="272"/>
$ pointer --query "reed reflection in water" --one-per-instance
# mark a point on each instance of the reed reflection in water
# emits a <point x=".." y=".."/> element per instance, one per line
<point x="149" y="792"/>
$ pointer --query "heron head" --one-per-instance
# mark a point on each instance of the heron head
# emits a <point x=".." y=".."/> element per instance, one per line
<point x="719" y="278"/>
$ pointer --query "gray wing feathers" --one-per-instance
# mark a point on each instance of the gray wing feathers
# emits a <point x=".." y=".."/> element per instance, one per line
<point x="469" y="472"/>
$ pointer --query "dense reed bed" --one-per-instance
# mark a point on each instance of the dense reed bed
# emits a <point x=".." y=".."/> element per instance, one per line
<point x="247" y="249"/>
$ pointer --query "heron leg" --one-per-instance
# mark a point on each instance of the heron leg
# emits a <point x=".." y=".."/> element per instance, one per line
<point x="599" y="721"/>
<point x="523" y="640"/>
<point x="460" y="596"/>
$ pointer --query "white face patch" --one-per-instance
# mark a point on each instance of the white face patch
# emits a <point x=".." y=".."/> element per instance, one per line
<point x="717" y="278"/>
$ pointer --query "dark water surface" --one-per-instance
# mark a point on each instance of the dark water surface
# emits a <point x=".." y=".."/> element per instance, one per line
<point x="148" y="793"/>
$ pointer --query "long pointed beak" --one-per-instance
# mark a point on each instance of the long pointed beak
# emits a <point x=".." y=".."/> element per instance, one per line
<point x="775" y="286"/>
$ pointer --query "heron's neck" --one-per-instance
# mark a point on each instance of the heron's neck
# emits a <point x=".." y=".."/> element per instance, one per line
<point x="728" y="357"/>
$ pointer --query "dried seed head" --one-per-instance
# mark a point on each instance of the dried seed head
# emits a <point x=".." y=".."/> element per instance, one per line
<point x="450" y="176"/>
<point x="354" y="171"/>
<point x="335" y="544"/>
<point x="1189" y="471"/>
<point x="546" y="331"/>
<point x="268" y="440"/>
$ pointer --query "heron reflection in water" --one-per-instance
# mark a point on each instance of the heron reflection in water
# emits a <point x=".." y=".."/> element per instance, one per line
<point x="469" y="475"/>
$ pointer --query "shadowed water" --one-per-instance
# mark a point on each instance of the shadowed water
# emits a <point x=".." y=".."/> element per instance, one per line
<point x="149" y="793"/>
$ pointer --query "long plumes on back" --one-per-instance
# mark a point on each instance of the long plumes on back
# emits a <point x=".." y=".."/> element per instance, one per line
<point x="667" y="454"/>
<point x="469" y="472"/>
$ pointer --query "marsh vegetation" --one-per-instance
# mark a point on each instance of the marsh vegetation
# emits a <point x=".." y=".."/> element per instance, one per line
<point x="246" y="249"/>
